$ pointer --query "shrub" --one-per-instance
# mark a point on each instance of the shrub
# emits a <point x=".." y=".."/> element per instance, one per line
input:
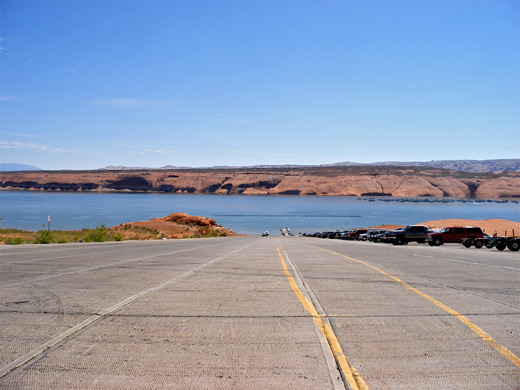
<point x="43" y="237"/>
<point x="13" y="240"/>
<point x="99" y="234"/>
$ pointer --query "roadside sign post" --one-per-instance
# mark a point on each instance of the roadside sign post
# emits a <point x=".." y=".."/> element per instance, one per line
<point x="48" y="223"/>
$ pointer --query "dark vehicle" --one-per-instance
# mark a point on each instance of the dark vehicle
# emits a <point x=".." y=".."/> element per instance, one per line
<point x="513" y="244"/>
<point x="453" y="234"/>
<point x="416" y="233"/>
<point x="327" y="234"/>
<point x="478" y="242"/>
<point x="386" y="236"/>
<point x="501" y="243"/>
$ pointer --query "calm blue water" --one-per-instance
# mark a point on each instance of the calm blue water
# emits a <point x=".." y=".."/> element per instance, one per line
<point x="243" y="214"/>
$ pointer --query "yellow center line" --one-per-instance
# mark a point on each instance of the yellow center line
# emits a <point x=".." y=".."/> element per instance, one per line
<point x="481" y="333"/>
<point x="350" y="373"/>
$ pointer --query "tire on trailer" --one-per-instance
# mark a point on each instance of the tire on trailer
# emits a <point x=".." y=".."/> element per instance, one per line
<point x="467" y="244"/>
<point x="513" y="245"/>
<point x="478" y="244"/>
<point x="489" y="245"/>
<point x="501" y="247"/>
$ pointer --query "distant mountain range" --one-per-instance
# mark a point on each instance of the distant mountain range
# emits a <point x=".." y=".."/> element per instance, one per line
<point x="475" y="166"/>
<point x="11" y="167"/>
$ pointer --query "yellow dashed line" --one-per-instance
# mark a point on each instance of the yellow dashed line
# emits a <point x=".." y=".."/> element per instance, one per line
<point x="351" y="375"/>
<point x="483" y="335"/>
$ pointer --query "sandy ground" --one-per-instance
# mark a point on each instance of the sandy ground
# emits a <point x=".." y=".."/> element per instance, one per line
<point x="502" y="227"/>
<point x="386" y="227"/>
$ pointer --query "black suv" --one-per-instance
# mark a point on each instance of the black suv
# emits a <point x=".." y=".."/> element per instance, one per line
<point x="409" y="233"/>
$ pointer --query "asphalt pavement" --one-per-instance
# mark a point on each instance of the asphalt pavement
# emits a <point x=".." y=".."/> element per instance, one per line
<point x="258" y="313"/>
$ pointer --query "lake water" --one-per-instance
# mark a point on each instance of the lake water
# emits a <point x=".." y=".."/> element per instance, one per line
<point x="242" y="214"/>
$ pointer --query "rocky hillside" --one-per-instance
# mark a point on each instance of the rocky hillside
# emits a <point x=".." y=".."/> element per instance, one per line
<point x="347" y="181"/>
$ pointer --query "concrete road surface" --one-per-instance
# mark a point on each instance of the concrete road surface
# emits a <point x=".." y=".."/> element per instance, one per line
<point x="258" y="313"/>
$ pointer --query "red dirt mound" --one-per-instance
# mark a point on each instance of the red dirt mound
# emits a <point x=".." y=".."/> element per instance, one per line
<point x="178" y="225"/>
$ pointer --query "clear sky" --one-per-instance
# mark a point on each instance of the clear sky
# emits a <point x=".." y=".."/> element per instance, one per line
<point x="86" y="84"/>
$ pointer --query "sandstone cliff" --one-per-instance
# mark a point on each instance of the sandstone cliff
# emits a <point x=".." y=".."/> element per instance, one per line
<point x="347" y="181"/>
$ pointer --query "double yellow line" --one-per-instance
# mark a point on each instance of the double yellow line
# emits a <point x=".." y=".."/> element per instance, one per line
<point x="349" y="372"/>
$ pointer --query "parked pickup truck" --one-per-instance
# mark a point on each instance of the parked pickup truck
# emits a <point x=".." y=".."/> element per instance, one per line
<point x="453" y="234"/>
<point x="409" y="233"/>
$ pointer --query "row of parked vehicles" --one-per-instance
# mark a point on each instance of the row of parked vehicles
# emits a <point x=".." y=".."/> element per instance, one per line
<point x="466" y="235"/>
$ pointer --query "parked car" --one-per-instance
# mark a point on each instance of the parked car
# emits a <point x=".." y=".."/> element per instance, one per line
<point x="363" y="236"/>
<point x="327" y="234"/>
<point x="453" y="234"/>
<point x="354" y="234"/>
<point x="385" y="237"/>
<point x="409" y="233"/>
<point x="344" y="234"/>
<point x="367" y="236"/>
<point x="375" y="235"/>
<point x="339" y="234"/>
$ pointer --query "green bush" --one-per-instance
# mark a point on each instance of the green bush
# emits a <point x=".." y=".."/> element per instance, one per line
<point x="99" y="234"/>
<point x="43" y="237"/>
<point x="13" y="240"/>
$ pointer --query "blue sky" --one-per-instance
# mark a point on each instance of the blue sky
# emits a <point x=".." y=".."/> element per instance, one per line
<point x="94" y="83"/>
